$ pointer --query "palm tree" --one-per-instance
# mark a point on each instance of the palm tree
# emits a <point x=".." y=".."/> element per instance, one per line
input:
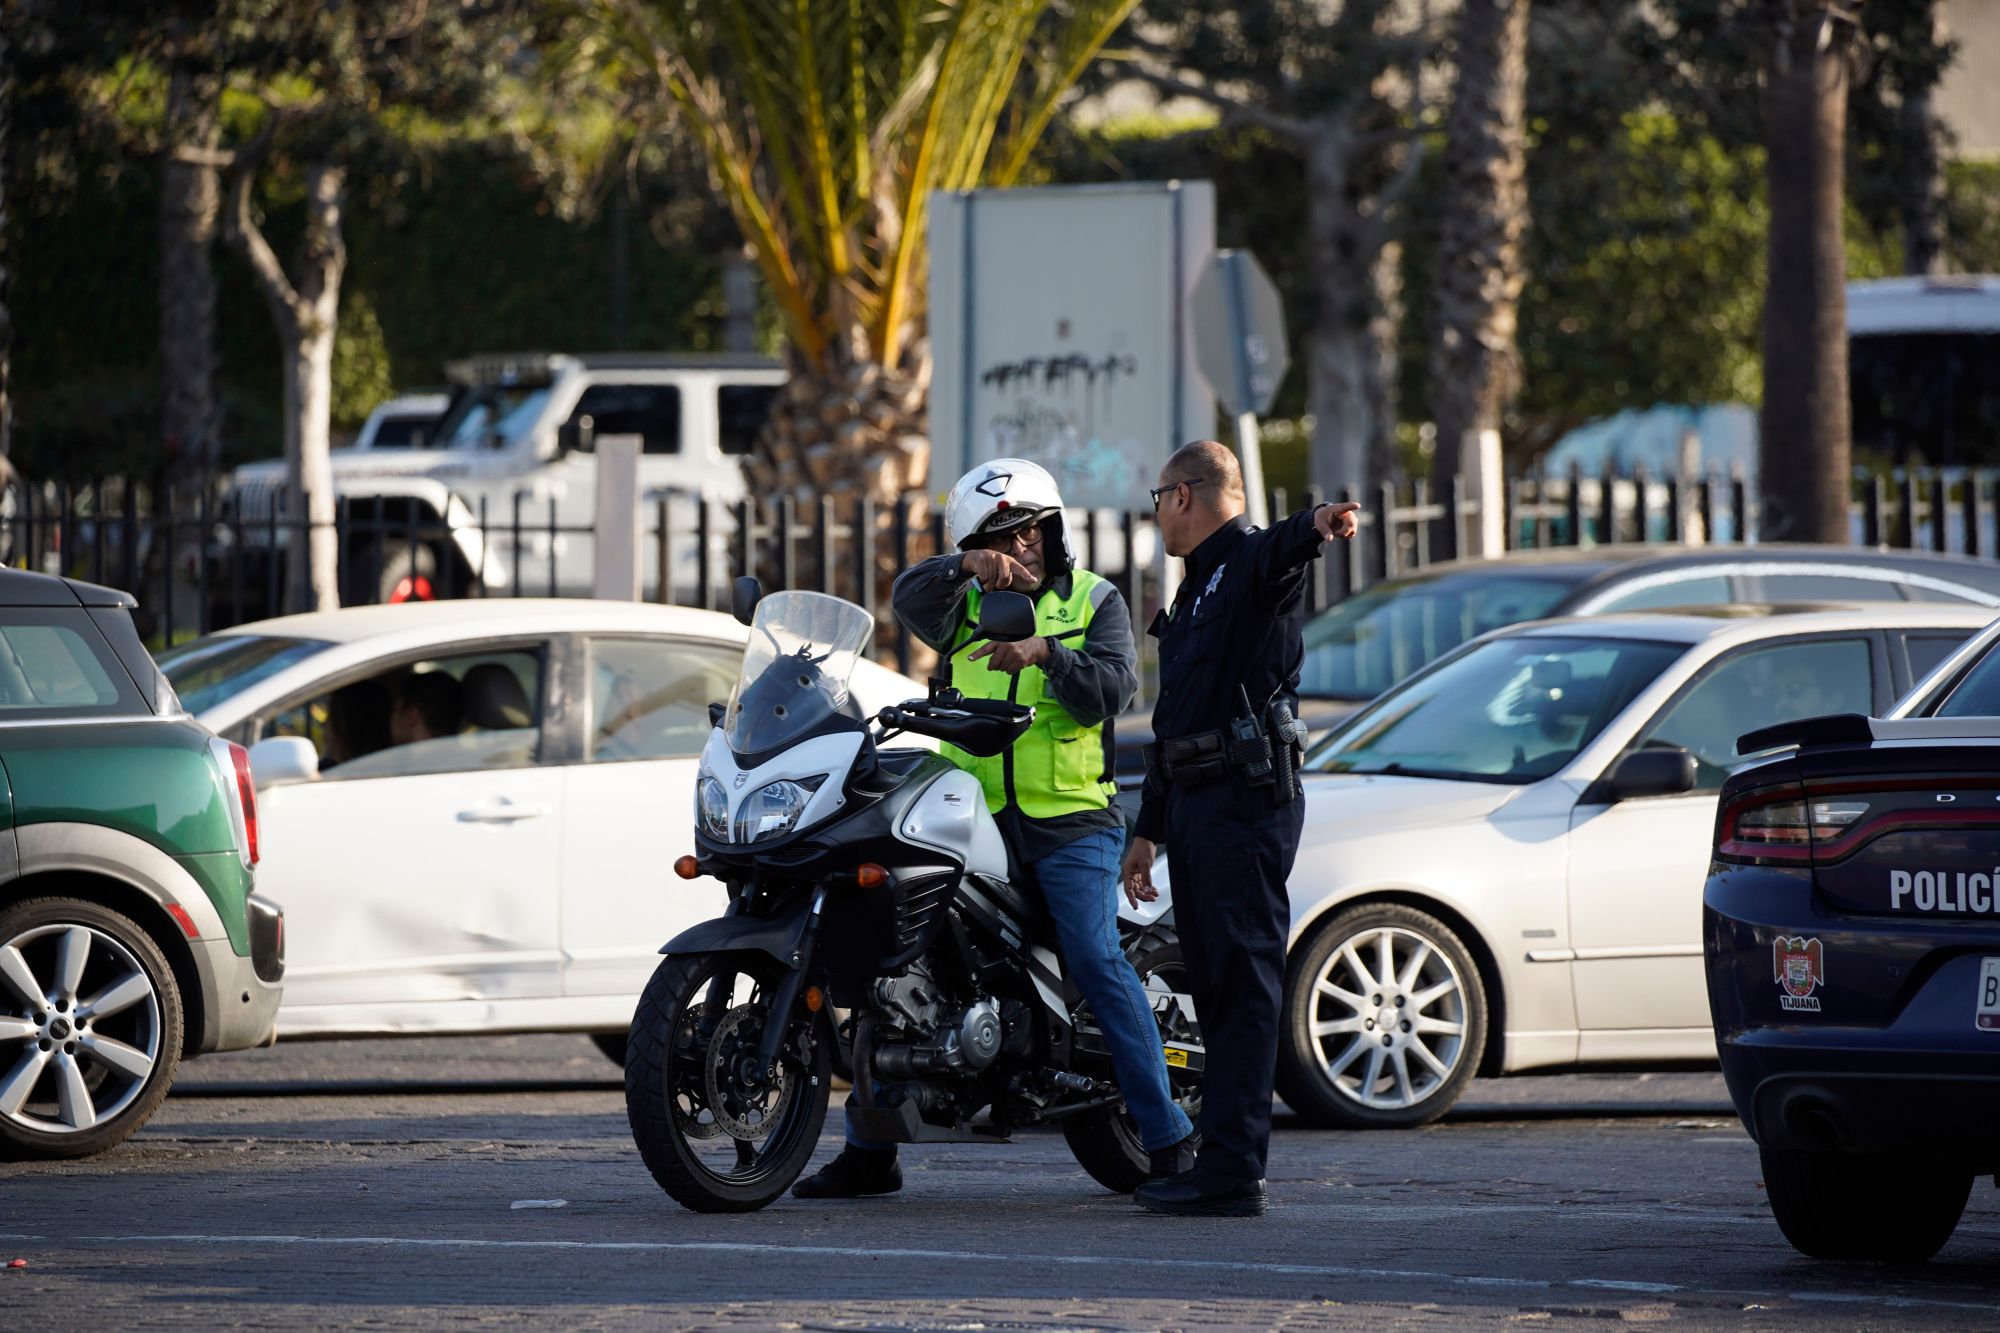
<point x="827" y="124"/>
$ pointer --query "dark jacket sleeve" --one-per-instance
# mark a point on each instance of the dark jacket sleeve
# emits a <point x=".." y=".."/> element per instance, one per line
<point x="1096" y="680"/>
<point x="1152" y="825"/>
<point x="929" y="598"/>
<point x="1284" y="550"/>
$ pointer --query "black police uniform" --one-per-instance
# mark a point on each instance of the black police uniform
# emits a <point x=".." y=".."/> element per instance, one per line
<point x="1234" y="629"/>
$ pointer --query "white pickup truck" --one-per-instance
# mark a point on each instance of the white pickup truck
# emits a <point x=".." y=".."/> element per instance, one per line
<point x="503" y="496"/>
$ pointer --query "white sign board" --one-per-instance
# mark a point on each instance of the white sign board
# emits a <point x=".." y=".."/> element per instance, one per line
<point x="1061" y="332"/>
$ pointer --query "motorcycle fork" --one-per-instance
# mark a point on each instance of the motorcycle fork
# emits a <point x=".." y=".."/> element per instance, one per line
<point x="787" y="993"/>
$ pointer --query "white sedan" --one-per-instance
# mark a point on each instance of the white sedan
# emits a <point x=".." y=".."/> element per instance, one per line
<point x="470" y="809"/>
<point x="1504" y="855"/>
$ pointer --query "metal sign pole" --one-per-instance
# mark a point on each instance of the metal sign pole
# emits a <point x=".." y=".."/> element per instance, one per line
<point x="1249" y="446"/>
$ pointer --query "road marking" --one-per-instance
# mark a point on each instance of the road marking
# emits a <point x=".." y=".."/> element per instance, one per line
<point x="539" y="1203"/>
<point x="988" y="1256"/>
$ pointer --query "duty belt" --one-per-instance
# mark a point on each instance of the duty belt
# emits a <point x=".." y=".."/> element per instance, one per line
<point x="1245" y="748"/>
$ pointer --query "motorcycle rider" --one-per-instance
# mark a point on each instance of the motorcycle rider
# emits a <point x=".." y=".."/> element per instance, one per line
<point x="1050" y="793"/>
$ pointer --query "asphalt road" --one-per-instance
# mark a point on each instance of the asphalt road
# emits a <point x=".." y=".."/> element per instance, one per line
<point x="445" y="1183"/>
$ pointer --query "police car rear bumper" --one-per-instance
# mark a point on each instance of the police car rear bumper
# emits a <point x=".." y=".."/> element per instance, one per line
<point x="1883" y="1054"/>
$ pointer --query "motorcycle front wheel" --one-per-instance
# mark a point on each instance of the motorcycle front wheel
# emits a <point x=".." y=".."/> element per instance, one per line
<point x="715" y="1137"/>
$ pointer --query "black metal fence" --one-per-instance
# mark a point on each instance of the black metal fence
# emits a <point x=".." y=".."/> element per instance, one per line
<point x="200" y="562"/>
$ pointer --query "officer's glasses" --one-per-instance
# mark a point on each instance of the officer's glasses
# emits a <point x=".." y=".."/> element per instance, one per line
<point x="1027" y="536"/>
<point x="1159" y="491"/>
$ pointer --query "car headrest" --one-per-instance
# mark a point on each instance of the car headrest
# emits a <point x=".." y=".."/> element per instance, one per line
<point x="494" y="699"/>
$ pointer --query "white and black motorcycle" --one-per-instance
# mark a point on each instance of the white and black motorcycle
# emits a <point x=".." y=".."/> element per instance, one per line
<point x="871" y="881"/>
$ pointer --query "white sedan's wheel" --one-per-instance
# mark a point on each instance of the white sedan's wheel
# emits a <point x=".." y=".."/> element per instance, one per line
<point x="90" y="1028"/>
<point x="1385" y="1020"/>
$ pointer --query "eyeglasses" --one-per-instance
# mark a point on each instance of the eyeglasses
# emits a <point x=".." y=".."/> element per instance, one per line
<point x="1026" y="536"/>
<point x="1159" y="491"/>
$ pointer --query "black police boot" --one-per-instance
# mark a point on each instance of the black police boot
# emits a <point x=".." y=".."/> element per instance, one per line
<point x="856" y="1174"/>
<point x="1202" y="1193"/>
<point x="1165" y="1163"/>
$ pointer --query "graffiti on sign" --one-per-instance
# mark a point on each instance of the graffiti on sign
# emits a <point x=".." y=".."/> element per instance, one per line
<point x="1049" y="412"/>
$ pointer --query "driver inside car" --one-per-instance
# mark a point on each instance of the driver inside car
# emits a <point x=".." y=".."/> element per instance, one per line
<point x="1051" y="793"/>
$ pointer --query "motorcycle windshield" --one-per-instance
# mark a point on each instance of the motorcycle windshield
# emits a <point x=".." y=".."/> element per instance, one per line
<point x="794" y="682"/>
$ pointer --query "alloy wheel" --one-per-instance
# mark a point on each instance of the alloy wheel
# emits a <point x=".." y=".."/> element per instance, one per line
<point x="80" y="1028"/>
<point x="1388" y="1018"/>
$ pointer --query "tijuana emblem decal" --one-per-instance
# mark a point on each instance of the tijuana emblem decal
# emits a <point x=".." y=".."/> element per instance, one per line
<point x="1800" y="965"/>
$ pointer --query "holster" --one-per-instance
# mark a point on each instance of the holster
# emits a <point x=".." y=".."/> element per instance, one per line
<point x="1288" y="741"/>
<point x="1195" y="761"/>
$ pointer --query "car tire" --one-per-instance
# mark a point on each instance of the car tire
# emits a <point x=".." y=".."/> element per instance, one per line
<point x="1895" y="1210"/>
<point x="80" y="1075"/>
<point x="1334" y="1067"/>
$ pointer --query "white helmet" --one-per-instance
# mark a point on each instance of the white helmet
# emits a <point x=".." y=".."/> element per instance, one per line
<point x="1003" y="494"/>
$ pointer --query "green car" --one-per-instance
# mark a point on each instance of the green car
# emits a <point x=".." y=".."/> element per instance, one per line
<point x="130" y="937"/>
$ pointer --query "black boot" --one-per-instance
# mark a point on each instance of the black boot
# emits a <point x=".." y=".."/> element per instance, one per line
<point x="1165" y="1163"/>
<point x="857" y="1173"/>
<point x="1202" y="1193"/>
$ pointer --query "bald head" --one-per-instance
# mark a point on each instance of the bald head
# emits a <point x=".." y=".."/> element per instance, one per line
<point x="1211" y="465"/>
<point x="1201" y="489"/>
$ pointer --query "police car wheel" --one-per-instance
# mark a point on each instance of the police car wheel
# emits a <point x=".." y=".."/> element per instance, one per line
<point x="1897" y="1210"/>
<point x="1384" y="1020"/>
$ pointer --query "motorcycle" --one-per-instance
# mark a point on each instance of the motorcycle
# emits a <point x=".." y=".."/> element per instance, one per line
<point x="870" y="880"/>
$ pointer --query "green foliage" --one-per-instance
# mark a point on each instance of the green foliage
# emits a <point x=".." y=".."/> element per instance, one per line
<point x="361" y="375"/>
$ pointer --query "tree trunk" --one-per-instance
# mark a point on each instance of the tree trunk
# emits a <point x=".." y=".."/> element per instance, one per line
<point x="1920" y="173"/>
<point x="1343" y="365"/>
<point x="322" y="263"/>
<point x="1475" y="367"/>
<point x="1806" y="448"/>
<point x="190" y="208"/>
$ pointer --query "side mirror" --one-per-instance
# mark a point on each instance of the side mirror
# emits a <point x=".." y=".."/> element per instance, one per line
<point x="277" y="760"/>
<point x="1649" y="773"/>
<point x="1006" y="617"/>
<point x="578" y="435"/>
<point x="744" y="594"/>
<point x="716" y="712"/>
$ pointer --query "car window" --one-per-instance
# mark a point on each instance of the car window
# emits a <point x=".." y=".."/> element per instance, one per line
<point x="649" y="698"/>
<point x="1977" y="693"/>
<point x="1707" y="590"/>
<point x="1925" y="651"/>
<point x="1826" y="588"/>
<point x="1513" y="709"/>
<point x="444" y="715"/>
<point x="650" y="411"/>
<point x="741" y="410"/>
<point x="218" y="666"/>
<point x="1762" y="687"/>
<point x="403" y="432"/>
<point x="1376" y="638"/>
<point x="54" y="663"/>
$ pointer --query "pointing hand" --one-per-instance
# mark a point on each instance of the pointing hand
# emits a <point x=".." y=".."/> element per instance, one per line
<point x="1336" y="520"/>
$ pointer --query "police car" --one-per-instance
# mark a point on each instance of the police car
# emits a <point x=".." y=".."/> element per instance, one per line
<point x="1851" y="931"/>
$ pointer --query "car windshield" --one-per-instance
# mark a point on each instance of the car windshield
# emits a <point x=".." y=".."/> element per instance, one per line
<point x="488" y="415"/>
<point x="1361" y="647"/>
<point x="1515" y="709"/>
<point x="211" y="669"/>
<point x="794" y="681"/>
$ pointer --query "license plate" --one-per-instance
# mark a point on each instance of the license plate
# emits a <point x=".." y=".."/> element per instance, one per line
<point x="1986" y="1014"/>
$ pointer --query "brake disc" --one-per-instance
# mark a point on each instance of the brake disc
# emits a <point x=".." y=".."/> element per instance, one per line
<point x="742" y="1110"/>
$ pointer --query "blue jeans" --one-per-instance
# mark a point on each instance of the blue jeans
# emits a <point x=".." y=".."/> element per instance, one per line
<point x="1080" y="884"/>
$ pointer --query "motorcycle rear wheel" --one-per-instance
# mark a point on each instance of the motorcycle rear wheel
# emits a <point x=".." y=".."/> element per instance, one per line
<point x="714" y="1142"/>
<point x="1105" y="1141"/>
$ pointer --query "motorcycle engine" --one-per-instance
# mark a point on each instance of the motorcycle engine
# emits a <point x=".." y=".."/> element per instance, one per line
<point x="910" y="1000"/>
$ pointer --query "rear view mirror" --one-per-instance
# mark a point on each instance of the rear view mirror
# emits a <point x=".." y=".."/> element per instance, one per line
<point x="1006" y="617"/>
<point x="744" y="595"/>
<point x="278" y="760"/>
<point x="1661" y="772"/>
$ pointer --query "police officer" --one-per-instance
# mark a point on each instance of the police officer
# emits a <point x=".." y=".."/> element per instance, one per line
<point x="1051" y="791"/>
<point x="1220" y="782"/>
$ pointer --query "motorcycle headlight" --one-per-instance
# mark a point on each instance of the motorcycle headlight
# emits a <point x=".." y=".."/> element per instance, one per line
<point x="711" y="805"/>
<point x="773" y="810"/>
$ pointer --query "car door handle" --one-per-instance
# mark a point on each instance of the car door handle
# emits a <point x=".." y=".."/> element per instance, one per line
<point x="501" y="812"/>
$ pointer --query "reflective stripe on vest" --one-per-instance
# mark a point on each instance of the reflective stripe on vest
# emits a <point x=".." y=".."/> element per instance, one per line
<point x="1058" y="766"/>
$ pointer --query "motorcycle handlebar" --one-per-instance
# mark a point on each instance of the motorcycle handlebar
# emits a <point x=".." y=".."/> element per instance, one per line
<point x="983" y="727"/>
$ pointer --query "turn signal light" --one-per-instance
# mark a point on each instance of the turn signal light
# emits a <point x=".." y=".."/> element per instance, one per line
<point x="815" y="999"/>
<point x="688" y="868"/>
<point x="871" y="876"/>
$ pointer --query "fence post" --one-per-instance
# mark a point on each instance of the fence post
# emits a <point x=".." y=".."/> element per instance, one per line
<point x="746" y="537"/>
<point x="1385" y="537"/>
<point x="235" y="558"/>
<point x="704" y="524"/>
<point x="788" y="523"/>
<point x="1420" y="531"/>
<point x="518" y="562"/>
<point x="1969" y="512"/>
<point x="864" y="554"/>
<point x="1316" y="581"/>
<point x="1939" y="511"/>
<point x="485" y="546"/>
<point x="899" y="536"/>
<point x="1871" y="512"/>
<point x="1573" y="505"/>
<point x="1906" y="509"/>
<point x="826" y="535"/>
<point x="1739" y="505"/>
<point x="664" y="540"/>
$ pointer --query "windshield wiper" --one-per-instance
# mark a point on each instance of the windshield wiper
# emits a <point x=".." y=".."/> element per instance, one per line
<point x="1396" y="770"/>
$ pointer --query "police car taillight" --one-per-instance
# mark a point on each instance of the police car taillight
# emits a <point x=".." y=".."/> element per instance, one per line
<point x="1779" y="827"/>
